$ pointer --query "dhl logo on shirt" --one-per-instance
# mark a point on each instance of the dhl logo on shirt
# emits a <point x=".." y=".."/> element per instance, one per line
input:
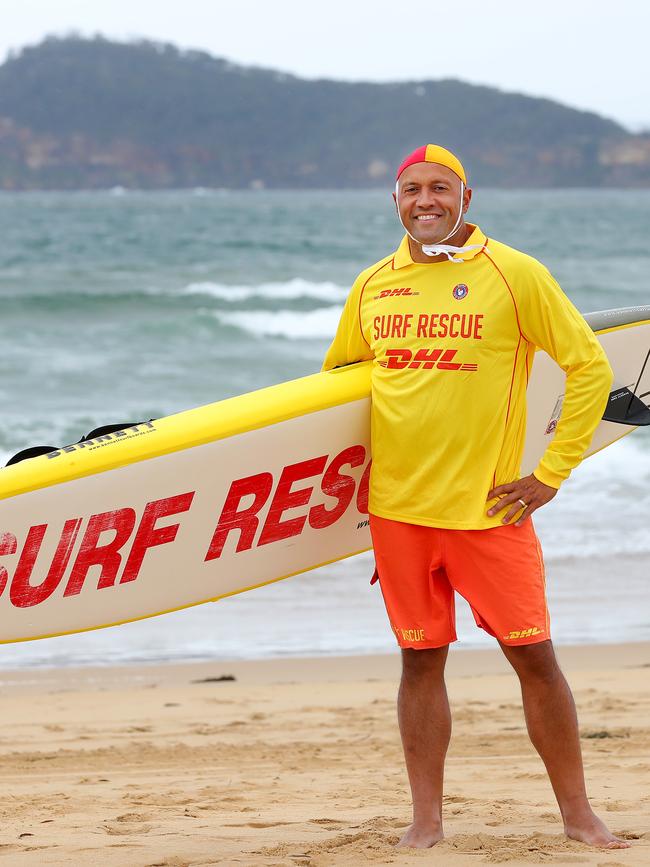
<point x="426" y="359"/>
<point x="393" y="293"/>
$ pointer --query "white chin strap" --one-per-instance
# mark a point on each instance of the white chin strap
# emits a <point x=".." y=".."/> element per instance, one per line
<point x="441" y="248"/>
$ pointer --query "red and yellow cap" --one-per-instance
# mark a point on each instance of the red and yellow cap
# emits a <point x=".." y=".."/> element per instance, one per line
<point x="432" y="153"/>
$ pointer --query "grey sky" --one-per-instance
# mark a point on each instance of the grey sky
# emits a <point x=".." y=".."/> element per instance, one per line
<point x="591" y="55"/>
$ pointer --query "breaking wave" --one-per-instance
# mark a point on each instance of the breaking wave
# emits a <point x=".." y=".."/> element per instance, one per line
<point x="291" y="289"/>
<point x="289" y="324"/>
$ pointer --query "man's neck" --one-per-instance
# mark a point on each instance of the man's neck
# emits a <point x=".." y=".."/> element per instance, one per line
<point x="458" y="239"/>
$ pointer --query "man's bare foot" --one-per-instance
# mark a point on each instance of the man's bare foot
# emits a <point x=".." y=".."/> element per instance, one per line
<point x="421" y="836"/>
<point x="593" y="831"/>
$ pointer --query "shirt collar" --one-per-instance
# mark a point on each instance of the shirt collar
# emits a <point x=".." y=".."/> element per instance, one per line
<point x="402" y="256"/>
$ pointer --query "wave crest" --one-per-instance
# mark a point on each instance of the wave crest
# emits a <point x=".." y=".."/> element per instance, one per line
<point x="290" y="324"/>
<point x="290" y="289"/>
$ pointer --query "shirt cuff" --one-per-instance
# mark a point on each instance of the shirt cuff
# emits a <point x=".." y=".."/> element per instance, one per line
<point x="548" y="477"/>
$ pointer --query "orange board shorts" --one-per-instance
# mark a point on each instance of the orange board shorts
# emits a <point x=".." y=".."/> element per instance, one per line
<point x="499" y="571"/>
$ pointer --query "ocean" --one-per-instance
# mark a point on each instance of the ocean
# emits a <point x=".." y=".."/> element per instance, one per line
<point x="124" y="305"/>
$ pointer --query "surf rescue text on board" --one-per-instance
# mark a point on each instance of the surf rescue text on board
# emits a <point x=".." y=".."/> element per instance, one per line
<point x="253" y="510"/>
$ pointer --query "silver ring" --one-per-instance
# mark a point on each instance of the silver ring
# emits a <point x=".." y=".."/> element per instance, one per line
<point x="525" y="505"/>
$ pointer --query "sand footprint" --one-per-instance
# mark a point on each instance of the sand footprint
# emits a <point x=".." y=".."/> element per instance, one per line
<point x="127" y="824"/>
<point x="330" y="824"/>
<point x="121" y="831"/>
<point x="171" y="861"/>
<point x="257" y="824"/>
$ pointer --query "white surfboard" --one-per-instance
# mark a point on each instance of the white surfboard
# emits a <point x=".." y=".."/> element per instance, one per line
<point x="231" y="496"/>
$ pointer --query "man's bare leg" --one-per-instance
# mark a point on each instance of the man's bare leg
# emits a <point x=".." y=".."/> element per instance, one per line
<point x="425" y="727"/>
<point x="553" y="729"/>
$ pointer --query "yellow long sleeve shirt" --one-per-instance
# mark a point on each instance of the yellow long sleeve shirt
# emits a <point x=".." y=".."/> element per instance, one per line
<point x="452" y="348"/>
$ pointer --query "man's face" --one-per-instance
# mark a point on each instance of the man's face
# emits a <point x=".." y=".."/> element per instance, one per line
<point x="428" y="200"/>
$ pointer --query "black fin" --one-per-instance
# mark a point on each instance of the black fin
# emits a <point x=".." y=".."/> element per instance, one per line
<point x="624" y="407"/>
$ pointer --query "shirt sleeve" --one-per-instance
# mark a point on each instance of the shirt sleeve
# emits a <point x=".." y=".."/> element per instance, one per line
<point x="349" y="344"/>
<point x="549" y="320"/>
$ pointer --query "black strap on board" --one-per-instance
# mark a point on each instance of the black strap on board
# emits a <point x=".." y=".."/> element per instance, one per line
<point x="37" y="451"/>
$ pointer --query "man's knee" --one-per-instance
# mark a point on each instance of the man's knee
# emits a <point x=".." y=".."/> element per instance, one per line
<point x="533" y="661"/>
<point x="424" y="663"/>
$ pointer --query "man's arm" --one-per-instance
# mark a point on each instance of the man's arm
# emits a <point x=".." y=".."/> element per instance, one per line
<point x="550" y="321"/>
<point x="349" y="344"/>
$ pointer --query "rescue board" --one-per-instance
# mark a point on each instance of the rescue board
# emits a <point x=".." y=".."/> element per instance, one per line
<point x="234" y="495"/>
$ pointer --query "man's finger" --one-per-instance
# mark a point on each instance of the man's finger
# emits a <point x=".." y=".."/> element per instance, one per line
<point x="503" y="502"/>
<point x="500" y="489"/>
<point x="524" y="515"/>
<point x="510" y="514"/>
<point x="499" y="505"/>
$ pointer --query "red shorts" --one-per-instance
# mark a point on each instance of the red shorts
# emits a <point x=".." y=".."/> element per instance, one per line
<point x="499" y="571"/>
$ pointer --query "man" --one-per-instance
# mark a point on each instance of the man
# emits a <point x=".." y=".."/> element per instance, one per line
<point x="452" y="320"/>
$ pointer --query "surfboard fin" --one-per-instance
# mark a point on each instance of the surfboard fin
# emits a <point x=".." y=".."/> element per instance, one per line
<point x="624" y="407"/>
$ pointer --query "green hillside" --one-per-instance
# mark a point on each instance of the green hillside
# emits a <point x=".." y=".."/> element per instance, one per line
<point x="93" y="113"/>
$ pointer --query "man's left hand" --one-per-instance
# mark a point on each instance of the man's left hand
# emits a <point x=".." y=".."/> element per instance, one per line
<point x="527" y="494"/>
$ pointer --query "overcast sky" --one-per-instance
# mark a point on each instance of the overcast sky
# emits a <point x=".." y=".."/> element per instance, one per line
<point x="591" y="55"/>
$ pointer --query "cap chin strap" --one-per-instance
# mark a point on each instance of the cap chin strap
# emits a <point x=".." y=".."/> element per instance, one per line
<point x="441" y="249"/>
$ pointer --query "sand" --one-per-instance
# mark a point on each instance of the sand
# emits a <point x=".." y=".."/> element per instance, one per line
<point x="298" y="762"/>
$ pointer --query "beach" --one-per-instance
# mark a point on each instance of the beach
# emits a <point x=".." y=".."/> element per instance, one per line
<point x="297" y="761"/>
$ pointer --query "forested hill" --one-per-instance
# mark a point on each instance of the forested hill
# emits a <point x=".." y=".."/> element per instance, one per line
<point x="91" y="113"/>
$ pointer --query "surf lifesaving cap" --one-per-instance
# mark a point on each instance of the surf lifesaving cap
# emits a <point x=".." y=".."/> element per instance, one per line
<point x="432" y="153"/>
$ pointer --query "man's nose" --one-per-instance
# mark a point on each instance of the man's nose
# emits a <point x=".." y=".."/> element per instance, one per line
<point x="426" y="198"/>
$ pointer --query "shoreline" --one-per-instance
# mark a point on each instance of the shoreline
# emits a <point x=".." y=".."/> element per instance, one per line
<point x="462" y="662"/>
